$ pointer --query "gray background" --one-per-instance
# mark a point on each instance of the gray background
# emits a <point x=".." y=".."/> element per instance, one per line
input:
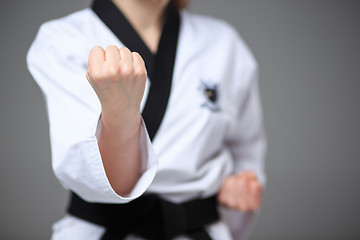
<point x="308" y="53"/>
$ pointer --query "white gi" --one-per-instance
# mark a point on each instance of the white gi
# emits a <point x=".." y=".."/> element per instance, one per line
<point x="200" y="140"/>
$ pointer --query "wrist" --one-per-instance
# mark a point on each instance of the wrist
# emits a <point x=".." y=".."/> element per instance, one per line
<point x="124" y="121"/>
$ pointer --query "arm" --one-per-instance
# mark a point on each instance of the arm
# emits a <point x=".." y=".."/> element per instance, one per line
<point x="246" y="141"/>
<point x="118" y="78"/>
<point x="58" y="65"/>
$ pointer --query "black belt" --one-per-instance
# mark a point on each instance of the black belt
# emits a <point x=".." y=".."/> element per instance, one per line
<point x="149" y="216"/>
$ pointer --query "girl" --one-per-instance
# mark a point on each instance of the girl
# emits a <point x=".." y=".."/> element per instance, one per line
<point x="155" y="120"/>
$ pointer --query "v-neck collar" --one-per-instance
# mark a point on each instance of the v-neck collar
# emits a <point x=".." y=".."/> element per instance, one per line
<point x="159" y="66"/>
<point x="115" y="20"/>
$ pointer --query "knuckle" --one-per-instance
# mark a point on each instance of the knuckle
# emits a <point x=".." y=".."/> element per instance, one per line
<point x="137" y="56"/>
<point x="231" y="180"/>
<point x="124" y="50"/>
<point x="113" y="70"/>
<point x="127" y="70"/>
<point x="139" y="72"/>
<point x="238" y="183"/>
<point x="96" y="49"/>
<point x="111" y="48"/>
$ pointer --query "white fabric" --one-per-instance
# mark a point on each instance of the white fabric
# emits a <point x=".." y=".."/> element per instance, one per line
<point x="199" y="142"/>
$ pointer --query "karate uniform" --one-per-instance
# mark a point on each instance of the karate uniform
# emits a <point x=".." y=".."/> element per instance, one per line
<point x="211" y="126"/>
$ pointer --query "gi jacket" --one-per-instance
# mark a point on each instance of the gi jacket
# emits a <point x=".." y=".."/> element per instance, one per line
<point x="211" y="125"/>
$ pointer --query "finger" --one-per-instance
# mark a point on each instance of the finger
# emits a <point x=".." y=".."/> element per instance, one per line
<point x="139" y="65"/>
<point x="258" y="189"/>
<point x="242" y="194"/>
<point x="126" y="56"/>
<point x="137" y="59"/>
<point x="226" y="194"/>
<point x="226" y="200"/>
<point x="251" y="175"/>
<point x="248" y="195"/>
<point x="248" y="174"/>
<point x="96" y="58"/>
<point x="241" y="173"/>
<point x="112" y="54"/>
<point x="252" y="194"/>
<point x="233" y="194"/>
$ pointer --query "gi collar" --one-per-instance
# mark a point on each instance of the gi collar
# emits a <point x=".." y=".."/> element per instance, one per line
<point x="159" y="66"/>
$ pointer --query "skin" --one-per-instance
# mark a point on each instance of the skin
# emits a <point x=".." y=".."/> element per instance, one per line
<point x="242" y="191"/>
<point x="146" y="16"/>
<point x="118" y="77"/>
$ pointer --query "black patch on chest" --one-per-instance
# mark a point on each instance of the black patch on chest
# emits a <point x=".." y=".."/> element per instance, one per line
<point x="211" y="94"/>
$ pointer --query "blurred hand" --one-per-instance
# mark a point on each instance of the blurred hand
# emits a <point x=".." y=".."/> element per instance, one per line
<point x="118" y="77"/>
<point x="242" y="192"/>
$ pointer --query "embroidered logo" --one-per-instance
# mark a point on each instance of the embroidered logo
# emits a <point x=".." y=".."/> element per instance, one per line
<point x="210" y="92"/>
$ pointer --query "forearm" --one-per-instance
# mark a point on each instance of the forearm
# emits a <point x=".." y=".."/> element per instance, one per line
<point x="120" y="150"/>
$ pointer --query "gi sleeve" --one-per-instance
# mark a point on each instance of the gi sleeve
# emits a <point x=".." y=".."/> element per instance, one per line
<point x="247" y="144"/>
<point x="57" y="60"/>
<point x="246" y="137"/>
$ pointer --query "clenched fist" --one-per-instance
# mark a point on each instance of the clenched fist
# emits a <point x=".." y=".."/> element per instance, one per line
<point x="242" y="192"/>
<point x="118" y="77"/>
